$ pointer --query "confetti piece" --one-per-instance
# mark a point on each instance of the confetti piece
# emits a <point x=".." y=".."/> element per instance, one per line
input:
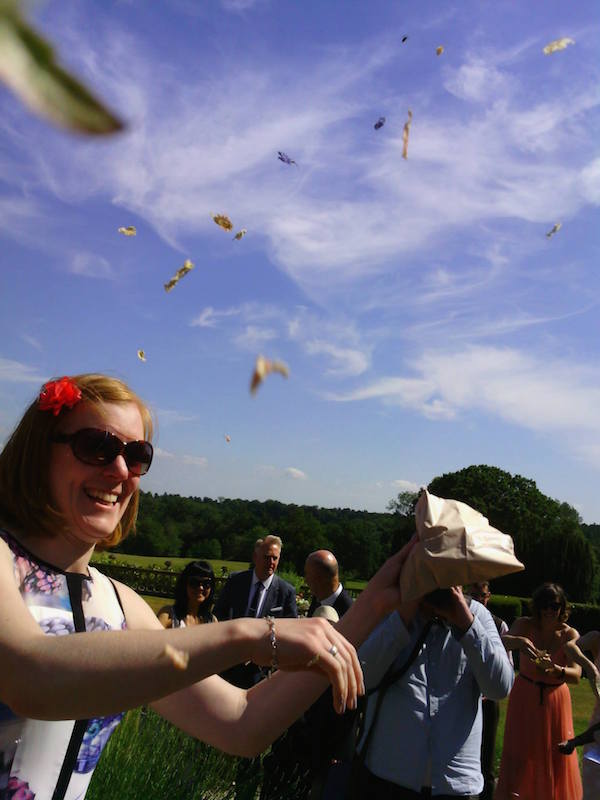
<point x="28" y="67"/>
<point x="223" y="221"/>
<point x="227" y="437"/>
<point x="380" y="123"/>
<point x="558" y="44"/>
<point x="264" y="367"/>
<point x="240" y="234"/>
<point x="141" y="355"/>
<point x="405" y="133"/>
<point x="179" y="658"/>
<point x="285" y="158"/>
<point x="130" y="230"/>
<point x="404" y="38"/>
<point x="439" y="50"/>
<point x="187" y="266"/>
<point x="554" y="230"/>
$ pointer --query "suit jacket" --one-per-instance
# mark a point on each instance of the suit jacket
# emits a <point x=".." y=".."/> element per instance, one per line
<point x="280" y="601"/>
<point x="342" y="603"/>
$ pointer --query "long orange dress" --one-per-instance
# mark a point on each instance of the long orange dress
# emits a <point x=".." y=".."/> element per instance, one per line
<point x="538" y="718"/>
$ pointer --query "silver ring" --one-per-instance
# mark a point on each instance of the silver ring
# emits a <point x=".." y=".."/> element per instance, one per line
<point x="333" y="650"/>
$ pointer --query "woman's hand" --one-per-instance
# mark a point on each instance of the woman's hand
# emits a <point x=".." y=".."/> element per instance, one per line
<point x="566" y="747"/>
<point x="189" y="620"/>
<point x="314" y="644"/>
<point x="526" y="646"/>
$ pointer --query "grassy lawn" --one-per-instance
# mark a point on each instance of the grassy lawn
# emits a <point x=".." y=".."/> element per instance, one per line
<point x="176" y="564"/>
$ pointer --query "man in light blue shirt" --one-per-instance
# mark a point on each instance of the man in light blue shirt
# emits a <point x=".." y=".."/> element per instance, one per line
<point x="427" y="737"/>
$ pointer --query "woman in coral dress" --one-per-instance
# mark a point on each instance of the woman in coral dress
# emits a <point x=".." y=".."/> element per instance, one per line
<point x="539" y="714"/>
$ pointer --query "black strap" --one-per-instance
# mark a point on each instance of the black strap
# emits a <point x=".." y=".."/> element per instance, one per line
<point x="390" y="677"/>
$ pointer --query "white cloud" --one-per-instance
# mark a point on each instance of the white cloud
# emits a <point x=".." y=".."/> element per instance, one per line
<point x="91" y="265"/>
<point x="547" y="395"/>
<point x="295" y="474"/>
<point x="196" y="461"/>
<point x="405" y="486"/>
<point x="476" y="81"/>
<point x="347" y="362"/>
<point x="208" y="317"/>
<point x="253" y="337"/>
<point x="17" y="372"/>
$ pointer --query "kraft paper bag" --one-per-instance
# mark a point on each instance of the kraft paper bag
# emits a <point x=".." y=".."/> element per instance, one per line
<point x="456" y="545"/>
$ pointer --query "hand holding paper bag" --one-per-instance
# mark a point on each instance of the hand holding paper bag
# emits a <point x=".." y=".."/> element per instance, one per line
<point x="455" y="545"/>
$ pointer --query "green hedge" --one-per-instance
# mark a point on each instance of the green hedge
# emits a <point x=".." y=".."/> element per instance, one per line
<point x="506" y="607"/>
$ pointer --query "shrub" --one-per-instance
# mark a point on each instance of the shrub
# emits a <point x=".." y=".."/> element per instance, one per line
<point x="506" y="607"/>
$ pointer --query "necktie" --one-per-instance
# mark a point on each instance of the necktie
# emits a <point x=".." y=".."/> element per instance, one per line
<point x="260" y="587"/>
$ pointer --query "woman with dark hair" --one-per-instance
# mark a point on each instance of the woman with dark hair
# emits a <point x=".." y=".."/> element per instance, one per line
<point x="194" y="595"/>
<point x="539" y="714"/>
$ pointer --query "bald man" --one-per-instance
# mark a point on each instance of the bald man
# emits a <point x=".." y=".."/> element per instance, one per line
<point x="323" y="579"/>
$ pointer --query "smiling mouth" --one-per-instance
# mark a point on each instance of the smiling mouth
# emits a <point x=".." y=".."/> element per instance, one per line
<point x="106" y="498"/>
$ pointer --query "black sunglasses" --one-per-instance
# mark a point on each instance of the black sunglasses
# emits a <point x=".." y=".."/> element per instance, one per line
<point x="199" y="583"/>
<point x="99" y="448"/>
<point x="553" y="606"/>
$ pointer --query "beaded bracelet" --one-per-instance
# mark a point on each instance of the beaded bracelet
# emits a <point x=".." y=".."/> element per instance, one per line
<point x="273" y="639"/>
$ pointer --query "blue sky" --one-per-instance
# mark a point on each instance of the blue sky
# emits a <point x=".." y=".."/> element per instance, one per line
<point x="427" y="320"/>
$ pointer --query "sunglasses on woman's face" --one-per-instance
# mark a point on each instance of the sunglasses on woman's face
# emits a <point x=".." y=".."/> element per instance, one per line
<point x="199" y="583"/>
<point x="553" y="606"/>
<point x="98" y="448"/>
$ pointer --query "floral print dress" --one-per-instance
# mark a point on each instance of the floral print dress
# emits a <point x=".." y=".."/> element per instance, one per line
<point x="42" y="760"/>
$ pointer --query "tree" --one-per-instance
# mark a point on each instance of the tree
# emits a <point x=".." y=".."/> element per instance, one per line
<point x="404" y="504"/>
<point x="546" y="533"/>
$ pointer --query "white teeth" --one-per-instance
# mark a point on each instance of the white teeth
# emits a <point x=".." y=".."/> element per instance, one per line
<point x="104" y="496"/>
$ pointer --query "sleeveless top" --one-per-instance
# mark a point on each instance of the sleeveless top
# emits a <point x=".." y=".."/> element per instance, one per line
<point x="54" y="760"/>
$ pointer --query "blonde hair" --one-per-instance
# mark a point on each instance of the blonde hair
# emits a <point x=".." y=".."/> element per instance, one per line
<point x="25" y="499"/>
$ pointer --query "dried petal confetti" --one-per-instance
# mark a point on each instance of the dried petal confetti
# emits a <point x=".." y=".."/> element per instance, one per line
<point x="240" y="234"/>
<point x="187" y="266"/>
<point x="558" y="44"/>
<point x="380" y="123"/>
<point x="405" y="133"/>
<point x="264" y="367"/>
<point x="227" y="437"/>
<point x="439" y="50"/>
<point x="554" y="230"/>
<point x="223" y="221"/>
<point x="179" y="658"/>
<point x="141" y="355"/>
<point x="285" y="158"/>
<point x="28" y="67"/>
<point x="130" y="230"/>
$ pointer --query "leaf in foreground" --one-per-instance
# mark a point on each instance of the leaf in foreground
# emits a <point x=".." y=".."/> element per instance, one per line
<point x="187" y="266"/>
<point x="28" y="67"/>
<point x="262" y="368"/>
<point x="130" y="230"/>
<point x="558" y="44"/>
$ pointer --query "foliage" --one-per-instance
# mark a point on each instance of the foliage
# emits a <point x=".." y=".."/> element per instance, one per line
<point x="547" y="533"/>
<point x="506" y="607"/>
<point x="197" y="527"/>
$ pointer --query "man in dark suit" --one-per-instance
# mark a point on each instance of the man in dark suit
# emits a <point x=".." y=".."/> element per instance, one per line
<point x="299" y="762"/>
<point x="322" y="576"/>
<point x="257" y="592"/>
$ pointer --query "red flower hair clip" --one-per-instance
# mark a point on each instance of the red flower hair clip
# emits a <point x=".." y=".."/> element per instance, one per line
<point x="56" y="394"/>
